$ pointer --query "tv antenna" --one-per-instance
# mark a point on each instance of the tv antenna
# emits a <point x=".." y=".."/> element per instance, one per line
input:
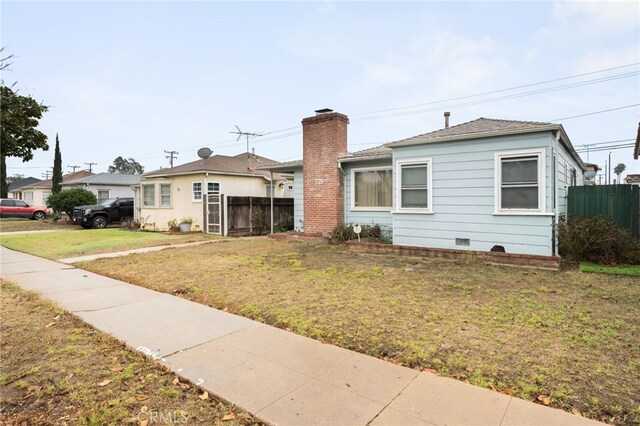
<point x="240" y="134"/>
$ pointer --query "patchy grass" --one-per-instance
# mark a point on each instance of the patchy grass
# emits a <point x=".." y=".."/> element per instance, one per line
<point x="58" y="370"/>
<point x="571" y="336"/>
<point x="60" y="245"/>
<point x="631" y="270"/>
<point x="18" y="224"/>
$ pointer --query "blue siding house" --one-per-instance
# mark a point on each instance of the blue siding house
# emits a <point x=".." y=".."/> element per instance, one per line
<point x="482" y="185"/>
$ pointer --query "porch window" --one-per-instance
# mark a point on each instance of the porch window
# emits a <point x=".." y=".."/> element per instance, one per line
<point x="165" y="195"/>
<point x="372" y="189"/>
<point x="103" y="194"/>
<point x="148" y="195"/>
<point x="415" y="186"/>
<point x="519" y="182"/>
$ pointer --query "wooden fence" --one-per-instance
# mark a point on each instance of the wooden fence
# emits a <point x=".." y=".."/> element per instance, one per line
<point x="619" y="202"/>
<point x="252" y="215"/>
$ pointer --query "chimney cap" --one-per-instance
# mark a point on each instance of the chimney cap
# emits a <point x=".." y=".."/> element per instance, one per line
<point x="447" y="114"/>
<point x="323" y="111"/>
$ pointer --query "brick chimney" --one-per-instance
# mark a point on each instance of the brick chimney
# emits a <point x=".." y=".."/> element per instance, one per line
<point x="324" y="139"/>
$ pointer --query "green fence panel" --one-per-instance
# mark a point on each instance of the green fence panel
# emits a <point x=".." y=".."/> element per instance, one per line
<point x="619" y="202"/>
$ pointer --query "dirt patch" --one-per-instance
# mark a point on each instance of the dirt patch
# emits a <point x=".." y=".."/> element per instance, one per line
<point x="55" y="369"/>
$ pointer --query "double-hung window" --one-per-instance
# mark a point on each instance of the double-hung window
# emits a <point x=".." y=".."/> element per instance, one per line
<point x="213" y="188"/>
<point x="520" y="182"/>
<point x="149" y="195"/>
<point x="196" y="191"/>
<point x="165" y="195"/>
<point x="371" y="189"/>
<point x="103" y="194"/>
<point x="414" y="186"/>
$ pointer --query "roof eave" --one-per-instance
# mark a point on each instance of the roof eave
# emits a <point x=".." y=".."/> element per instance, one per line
<point x="363" y="158"/>
<point x="198" y="172"/>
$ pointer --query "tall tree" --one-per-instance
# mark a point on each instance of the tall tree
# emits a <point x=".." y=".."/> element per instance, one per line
<point x="126" y="167"/>
<point x="618" y="170"/>
<point x="19" y="136"/>
<point x="57" y="169"/>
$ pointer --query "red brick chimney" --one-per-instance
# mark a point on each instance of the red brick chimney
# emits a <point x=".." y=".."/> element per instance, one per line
<point x="324" y="139"/>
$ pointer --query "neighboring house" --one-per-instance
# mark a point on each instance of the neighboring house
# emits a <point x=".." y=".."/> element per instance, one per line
<point x="632" y="179"/>
<point x="590" y="174"/>
<point x="482" y="185"/>
<point x="106" y="185"/>
<point x="38" y="193"/>
<point x="177" y="192"/>
<point x="14" y="189"/>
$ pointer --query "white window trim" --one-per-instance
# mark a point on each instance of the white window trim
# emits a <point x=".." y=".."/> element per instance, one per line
<point x="542" y="183"/>
<point x="195" y="200"/>
<point x="160" y="196"/>
<point x="353" y="190"/>
<point x="398" y="186"/>
<point x="150" y="206"/>
<point x="219" y="187"/>
<point x="98" y="191"/>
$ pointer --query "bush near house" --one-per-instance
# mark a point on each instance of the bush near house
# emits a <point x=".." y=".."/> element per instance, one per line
<point x="65" y="201"/>
<point x="596" y="239"/>
<point x="344" y="232"/>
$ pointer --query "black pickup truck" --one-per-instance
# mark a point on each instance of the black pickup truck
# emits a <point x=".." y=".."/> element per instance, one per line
<point x="100" y="215"/>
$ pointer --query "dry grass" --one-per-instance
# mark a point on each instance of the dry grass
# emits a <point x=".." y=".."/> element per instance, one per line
<point x="18" y="224"/>
<point x="58" y="370"/>
<point x="572" y="336"/>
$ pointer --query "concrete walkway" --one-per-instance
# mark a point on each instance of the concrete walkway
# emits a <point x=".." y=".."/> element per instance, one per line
<point x="88" y="258"/>
<point x="279" y="376"/>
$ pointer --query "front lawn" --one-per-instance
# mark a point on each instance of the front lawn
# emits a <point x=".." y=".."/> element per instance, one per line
<point x="571" y="336"/>
<point x="18" y="224"/>
<point x="60" y="245"/>
<point x="632" y="270"/>
<point x="55" y="369"/>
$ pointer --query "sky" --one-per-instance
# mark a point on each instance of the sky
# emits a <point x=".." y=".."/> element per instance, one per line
<point x="134" y="79"/>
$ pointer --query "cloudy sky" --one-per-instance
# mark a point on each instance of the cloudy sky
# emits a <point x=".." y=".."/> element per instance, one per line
<point x="133" y="79"/>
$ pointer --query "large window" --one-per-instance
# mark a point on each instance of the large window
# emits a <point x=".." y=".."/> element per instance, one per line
<point x="148" y="195"/>
<point x="103" y="194"/>
<point x="371" y="189"/>
<point x="520" y="182"/>
<point x="213" y="188"/>
<point x="414" y="186"/>
<point x="45" y="197"/>
<point x="165" y="195"/>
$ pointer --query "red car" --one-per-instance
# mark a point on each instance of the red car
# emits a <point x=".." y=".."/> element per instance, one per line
<point x="18" y="208"/>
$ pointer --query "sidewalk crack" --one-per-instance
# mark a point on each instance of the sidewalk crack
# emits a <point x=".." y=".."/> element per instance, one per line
<point x="393" y="399"/>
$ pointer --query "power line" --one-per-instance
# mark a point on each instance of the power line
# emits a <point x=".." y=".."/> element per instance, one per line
<point x="74" y="168"/>
<point x="608" y="148"/>
<point x="587" y="145"/>
<point x="596" y="112"/>
<point x="171" y="156"/>
<point x="91" y="164"/>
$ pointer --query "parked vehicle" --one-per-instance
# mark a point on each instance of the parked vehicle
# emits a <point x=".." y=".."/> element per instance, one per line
<point x="18" y="208"/>
<point x="100" y="215"/>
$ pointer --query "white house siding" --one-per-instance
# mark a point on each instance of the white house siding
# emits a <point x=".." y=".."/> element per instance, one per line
<point x="115" y="191"/>
<point x="298" y="200"/>
<point x="564" y="164"/>
<point x="382" y="218"/>
<point x="463" y="199"/>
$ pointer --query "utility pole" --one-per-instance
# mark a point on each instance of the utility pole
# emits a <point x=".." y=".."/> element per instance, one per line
<point x="46" y="175"/>
<point x="240" y="134"/>
<point x="609" y="167"/>
<point x="74" y="168"/>
<point x="171" y="155"/>
<point x="90" y="164"/>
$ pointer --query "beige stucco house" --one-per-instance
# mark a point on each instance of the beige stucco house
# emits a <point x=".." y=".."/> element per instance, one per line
<point x="178" y="192"/>
<point x="37" y="194"/>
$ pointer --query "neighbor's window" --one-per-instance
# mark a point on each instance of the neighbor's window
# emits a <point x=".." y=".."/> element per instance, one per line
<point x="28" y="196"/>
<point x="415" y="186"/>
<point x="197" y="191"/>
<point x="519" y="181"/>
<point x="148" y="195"/>
<point x="213" y="188"/>
<point x="165" y="195"/>
<point x="103" y="195"/>
<point x="372" y="188"/>
<point x="45" y="197"/>
<point x="267" y="188"/>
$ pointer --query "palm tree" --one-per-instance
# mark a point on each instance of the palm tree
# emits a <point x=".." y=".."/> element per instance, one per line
<point x="618" y="170"/>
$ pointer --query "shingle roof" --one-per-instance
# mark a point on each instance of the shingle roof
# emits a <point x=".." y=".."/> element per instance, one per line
<point x="17" y="184"/>
<point x="48" y="184"/>
<point x="381" y="151"/>
<point x="106" y="179"/>
<point x="242" y="164"/>
<point x="480" y="128"/>
<point x="284" y="167"/>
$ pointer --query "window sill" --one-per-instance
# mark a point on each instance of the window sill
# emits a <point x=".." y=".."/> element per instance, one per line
<point x="412" y="211"/>
<point x="371" y="209"/>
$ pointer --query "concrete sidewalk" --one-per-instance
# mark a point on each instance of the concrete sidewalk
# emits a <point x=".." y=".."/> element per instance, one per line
<point x="279" y="376"/>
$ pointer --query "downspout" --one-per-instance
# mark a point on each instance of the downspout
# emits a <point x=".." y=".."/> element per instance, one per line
<point x="271" y="193"/>
<point x="554" y="193"/>
<point x="205" y="200"/>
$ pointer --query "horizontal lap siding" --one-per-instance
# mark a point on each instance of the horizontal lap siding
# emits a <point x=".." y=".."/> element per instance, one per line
<point x="298" y="199"/>
<point x="382" y="218"/>
<point x="563" y="179"/>
<point x="463" y="199"/>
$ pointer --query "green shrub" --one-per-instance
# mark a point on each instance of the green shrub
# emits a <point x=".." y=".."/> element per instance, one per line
<point x="344" y="232"/>
<point x="596" y="239"/>
<point x="65" y="201"/>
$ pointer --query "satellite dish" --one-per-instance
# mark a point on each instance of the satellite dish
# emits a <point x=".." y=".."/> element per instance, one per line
<point x="204" y="153"/>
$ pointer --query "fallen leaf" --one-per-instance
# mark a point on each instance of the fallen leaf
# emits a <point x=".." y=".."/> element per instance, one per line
<point x="69" y="376"/>
<point x="204" y="396"/>
<point x="507" y="391"/>
<point x="176" y="381"/>
<point x="141" y="397"/>
<point x="104" y="383"/>
<point x="33" y="388"/>
<point x="545" y="400"/>
<point x="144" y="422"/>
<point x="144" y="409"/>
<point x="117" y="369"/>
<point x="430" y="370"/>
<point x="228" y="417"/>
<point x="57" y="317"/>
<point x="50" y="325"/>
<point x="575" y="412"/>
